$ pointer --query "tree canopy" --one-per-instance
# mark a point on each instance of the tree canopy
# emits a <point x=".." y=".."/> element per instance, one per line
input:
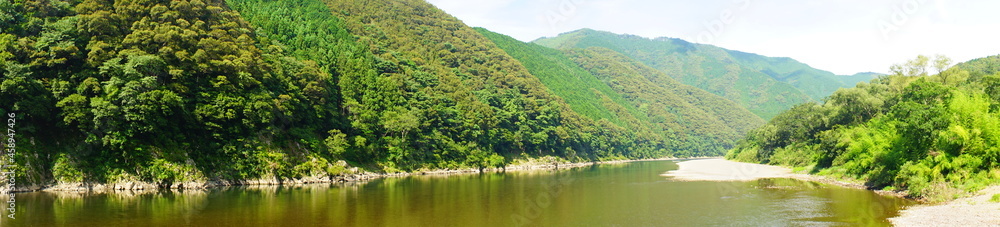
<point x="935" y="135"/>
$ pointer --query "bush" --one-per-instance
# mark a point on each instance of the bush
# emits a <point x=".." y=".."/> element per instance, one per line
<point x="65" y="171"/>
<point x="165" y="172"/>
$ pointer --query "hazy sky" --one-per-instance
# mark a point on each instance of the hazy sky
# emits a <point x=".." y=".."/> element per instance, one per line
<point x="844" y="37"/>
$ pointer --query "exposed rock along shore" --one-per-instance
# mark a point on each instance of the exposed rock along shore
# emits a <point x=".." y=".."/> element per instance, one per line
<point x="356" y="176"/>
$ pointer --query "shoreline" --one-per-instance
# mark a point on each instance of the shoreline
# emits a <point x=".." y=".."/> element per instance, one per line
<point x="972" y="210"/>
<point x="132" y="187"/>
<point x="719" y="169"/>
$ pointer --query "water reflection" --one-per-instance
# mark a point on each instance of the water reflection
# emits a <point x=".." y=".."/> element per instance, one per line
<point x="625" y="194"/>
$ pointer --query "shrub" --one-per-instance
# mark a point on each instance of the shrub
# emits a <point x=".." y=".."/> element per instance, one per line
<point x="65" y="171"/>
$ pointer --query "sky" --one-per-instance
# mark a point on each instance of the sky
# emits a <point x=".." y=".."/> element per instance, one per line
<point x="844" y="36"/>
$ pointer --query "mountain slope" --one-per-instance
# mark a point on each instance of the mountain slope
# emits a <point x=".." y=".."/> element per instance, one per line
<point x="980" y="67"/>
<point x="815" y="83"/>
<point x="700" y="121"/>
<point x="858" y="78"/>
<point x="700" y="118"/>
<point x="464" y="94"/>
<point x="707" y="67"/>
<point x="157" y="91"/>
<point x="582" y="91"/>
<point x="650" y="85"/>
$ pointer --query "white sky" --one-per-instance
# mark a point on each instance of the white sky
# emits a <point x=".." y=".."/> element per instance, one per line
<point x="844" y="37"/>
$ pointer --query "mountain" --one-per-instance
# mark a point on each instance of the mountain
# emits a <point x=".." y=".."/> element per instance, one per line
<point x="699" y="121"/>
<point x="764" y="85"/>
<point x="581" y="90"/>
<point x="980" y="67"/>
<point x="158" y="91"/>
<point x="463" y="98"/>
<point x="180" y="91"/>
<point x="858" y="78"/>
<point x="815" y="83"/>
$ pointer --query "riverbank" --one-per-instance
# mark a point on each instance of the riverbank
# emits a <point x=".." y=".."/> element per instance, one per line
<point x="976" y="210"/>
<point x="355" y="175"/>
<point x="718" y="169"/>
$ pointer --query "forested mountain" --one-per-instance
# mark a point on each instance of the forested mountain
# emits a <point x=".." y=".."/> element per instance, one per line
<point x="582" y="91"/>
<point x="157" y="91"/>
<point x="815" y="83"/>
<point x="665" y="99"/>
<point x="981" y="67"/>
<point x="935" y="135"/>
<point x="765" y="86"/>
<point x="461" y="96"/>
<point x="853" y="80"/>
<point x="698" y="121"/>
<point x="188" y="90"/>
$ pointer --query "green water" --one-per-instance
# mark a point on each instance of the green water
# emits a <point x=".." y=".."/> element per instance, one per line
<point x="631" y="194"/>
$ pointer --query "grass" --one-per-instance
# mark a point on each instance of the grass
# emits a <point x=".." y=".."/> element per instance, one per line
<point x="996" y="198"/>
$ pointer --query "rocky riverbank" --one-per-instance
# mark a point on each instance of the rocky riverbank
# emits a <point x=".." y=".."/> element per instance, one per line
<point x="353" y="175"/>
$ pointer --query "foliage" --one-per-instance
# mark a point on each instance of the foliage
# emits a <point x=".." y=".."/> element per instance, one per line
<point x="697" y="121"/>
<point x="815" y="83"/>
<point x="933" y="135"/>
<point x="581" y="90"/>
<point x="707" y="67"/>
<point x="688" y="119"/>
<point x="444" y="93"/>
<point x="160" y="90"/>
<point x="64" y="171"/>
<point x="172" y="91"/>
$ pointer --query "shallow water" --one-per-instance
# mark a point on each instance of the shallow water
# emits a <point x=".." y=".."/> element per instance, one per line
<point x="632" y="194"/>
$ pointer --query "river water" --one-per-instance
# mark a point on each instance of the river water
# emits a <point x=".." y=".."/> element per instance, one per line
<point x="631" y="194"/>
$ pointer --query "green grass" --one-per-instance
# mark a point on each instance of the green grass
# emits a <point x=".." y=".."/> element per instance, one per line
<point x="996" y="198"/>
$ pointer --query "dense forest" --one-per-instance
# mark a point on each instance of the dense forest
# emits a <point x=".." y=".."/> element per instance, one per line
<point x="765" y="86"/>
<point x="190" y="90"/>
<point x="158" y="91"/>
<point x="697" y="122"/>
<point x="931" y="130"/>
<point x="704" y="121"/>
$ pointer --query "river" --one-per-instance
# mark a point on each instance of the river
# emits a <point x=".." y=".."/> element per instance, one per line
<point x="630" y="194"/>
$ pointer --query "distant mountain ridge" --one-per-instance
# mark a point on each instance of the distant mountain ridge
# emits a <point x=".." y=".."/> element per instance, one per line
<point x="764" y="85"/>
<point x="599" y="78"/>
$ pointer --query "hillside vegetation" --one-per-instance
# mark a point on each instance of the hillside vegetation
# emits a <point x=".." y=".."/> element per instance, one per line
<point x="765" y="86"/>
<point x="697" y="122"/>
<point x="581" y="90"/>
<point x="189" y="90"/>
<point x="934" y="135"/>
<point x="815" y="83"/>
<point x="159" y="91"/>
<point x="703" y="121"/>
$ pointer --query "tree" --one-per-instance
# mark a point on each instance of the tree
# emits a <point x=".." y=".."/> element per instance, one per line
<point x="942" y="63"/>
<point x="916" y="67"/>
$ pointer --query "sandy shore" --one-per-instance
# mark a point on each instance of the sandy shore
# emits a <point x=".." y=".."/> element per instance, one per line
<point x="717" y="169"/>
<point x="972" y="211"/>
